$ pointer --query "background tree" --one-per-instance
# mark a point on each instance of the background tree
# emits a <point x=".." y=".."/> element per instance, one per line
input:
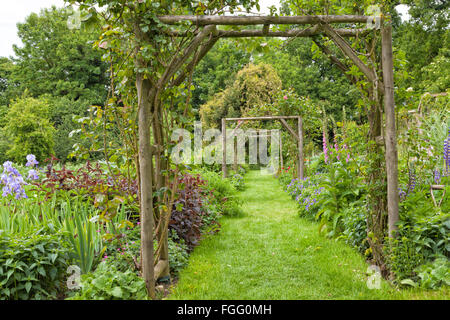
<point x="217" y="70"/>
<point x="28" y="129"/>
<point x="253" y="87"/>
<point x="58" y="61"/>
<point x="61" y="64"/>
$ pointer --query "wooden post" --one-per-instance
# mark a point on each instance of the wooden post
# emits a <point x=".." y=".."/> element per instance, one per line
<point x="301" y="162"/>
<point x="146" y="182"/>
<point x="391" y="135"/>
<point x="224" y="148"/>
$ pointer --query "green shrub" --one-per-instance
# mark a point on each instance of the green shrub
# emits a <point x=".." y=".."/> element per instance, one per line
<point x="123" y="252"/>
<point x="29" y="130"/>
<point x="224" y="194"/>
<point x="237" y="181"/>
<point x="423" y="239"/>
<point x="32" y="266"/>
<point x="178" y="255"/>
<point x="108" y="283"/>
<point x="434" y="275"/>
<point x="355" y="228"/>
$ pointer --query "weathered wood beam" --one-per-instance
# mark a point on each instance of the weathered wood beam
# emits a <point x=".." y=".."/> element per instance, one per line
<point x="233" y="133"/>
<point x="180" y="60"/>
<point x="288" y="128"/>
<point x="262" y="20"/>
<point x="204" y="49"/>
<point x="293" y="33"/>
<point x="390" y="131"/>
<point x="261" y="118"/>
<point x="335" y="60"/>
<point x="347" y="49"/>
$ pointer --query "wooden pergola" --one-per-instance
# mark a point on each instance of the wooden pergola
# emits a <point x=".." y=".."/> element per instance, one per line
<point x="298" y="136"/>
<point x="197" y="45"/>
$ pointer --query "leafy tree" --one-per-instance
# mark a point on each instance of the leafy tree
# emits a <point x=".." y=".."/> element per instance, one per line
<point x="424" y="39"/>
<point x="217" y="70"/>
<point x="28" y="129"/>
<point x="311" y="75"/>
<point x="61" y="64"/>
<point x="6" y="82"/>
<point x="58" y="61"/>
<point x="254" y="86"/>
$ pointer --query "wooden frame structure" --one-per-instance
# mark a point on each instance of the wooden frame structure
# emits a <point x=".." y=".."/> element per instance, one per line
<point x="298" y="136"/>
<point x="197" y="45"/>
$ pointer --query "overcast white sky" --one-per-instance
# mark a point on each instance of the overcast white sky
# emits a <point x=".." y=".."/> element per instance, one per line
<point x="14" y="11"/>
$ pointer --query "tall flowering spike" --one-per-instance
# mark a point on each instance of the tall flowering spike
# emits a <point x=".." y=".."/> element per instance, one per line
<point x="336" y="147"/>
<point x="437" y="176"/>
<point x="412" y="182"/>
<point x="447" y="154"/>
<point x="31" y="160"/>
<point x="325" y="147"/>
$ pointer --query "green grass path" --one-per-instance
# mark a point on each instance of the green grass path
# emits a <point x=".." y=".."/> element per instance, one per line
<point x="271" y="253"/>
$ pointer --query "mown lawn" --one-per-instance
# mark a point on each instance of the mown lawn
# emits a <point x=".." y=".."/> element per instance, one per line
<point x="271" y="253"/>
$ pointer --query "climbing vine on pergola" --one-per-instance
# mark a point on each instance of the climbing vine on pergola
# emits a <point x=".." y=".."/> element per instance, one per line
<point x="161" y="50"/>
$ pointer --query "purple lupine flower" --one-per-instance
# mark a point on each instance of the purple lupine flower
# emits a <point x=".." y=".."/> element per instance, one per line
<point x="402" y="194"/>
<point x="412" y="182"/>
<point x="437" y="176"/>
<point x="31" y="161"/>
<point x="447" y="154"/>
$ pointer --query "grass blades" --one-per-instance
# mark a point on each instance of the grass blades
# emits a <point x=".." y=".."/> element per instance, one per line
<point x="271" y="253"/>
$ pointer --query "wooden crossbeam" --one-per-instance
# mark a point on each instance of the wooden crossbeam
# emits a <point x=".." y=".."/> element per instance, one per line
<point x="265" y="32"/>
<point x="262" y="118"/>
<point x="349" y="52"/>
<point x="262" y="20"/>
<point x="288" y="128"/>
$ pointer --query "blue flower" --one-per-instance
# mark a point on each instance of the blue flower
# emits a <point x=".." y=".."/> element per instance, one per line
<point x="31" y="160"/>
<point x="33" y="175"/>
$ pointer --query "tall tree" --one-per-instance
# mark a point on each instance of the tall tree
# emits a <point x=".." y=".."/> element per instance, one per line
<point x="58" y="61"/>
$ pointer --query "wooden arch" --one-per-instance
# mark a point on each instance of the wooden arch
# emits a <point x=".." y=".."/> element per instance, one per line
<point x="298" y="136"/>
<point x="204" y="38"/>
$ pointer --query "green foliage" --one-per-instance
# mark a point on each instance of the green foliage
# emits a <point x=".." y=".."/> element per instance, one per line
<point x="32" y="265"/>
<point x="225" y="195"/>
<point x="178" y="255"/>
<point x="7" y="85"/>
<point x="238" y="182"/>
<point x="29" y="130"/>
<point x="254" y="86"/>
<point x="217" y="70"/>
<point x="423" y="237"/>
<point x="57" y="61"/>
<point x="310" y="74"/>
<point x="62" y="112"/>
<point x="424" y="39"/>
<point x="108" y="283"/>
<point x="86" y="242"/>
<point x="434" y="275"/>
